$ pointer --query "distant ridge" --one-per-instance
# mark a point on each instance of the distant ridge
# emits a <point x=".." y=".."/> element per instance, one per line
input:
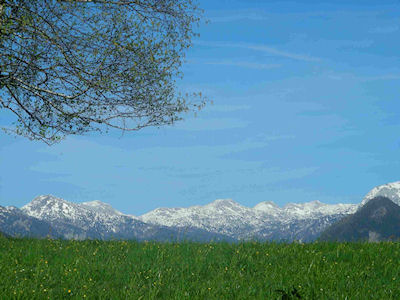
<point x="220" y="220"/>
<point x="14" y="222"/>
<point x="377" y="220"/>
<point x="265" y="221"/>
<point x="98" y="220"/>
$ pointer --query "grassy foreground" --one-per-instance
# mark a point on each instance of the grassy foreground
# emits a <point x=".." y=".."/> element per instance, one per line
<point x="54" y="269"/>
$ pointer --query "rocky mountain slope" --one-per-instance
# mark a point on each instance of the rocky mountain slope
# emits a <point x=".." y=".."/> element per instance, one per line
<point x="378" y="219"/>
<point x="15" y="222"/>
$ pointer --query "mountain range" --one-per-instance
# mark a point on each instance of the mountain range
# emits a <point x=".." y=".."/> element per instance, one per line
<point x="265" y="221"/>
<point x="221" y="220"/>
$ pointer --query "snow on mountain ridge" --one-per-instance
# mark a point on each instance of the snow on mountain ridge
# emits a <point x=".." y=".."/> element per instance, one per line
<point x="265" y="221"/>
<point x="267" y="204"/>
<point x="268" y="207"/>
<point x="224" y="216"/>
<point x="310" y="209"/>
<point x="86" y="216"/>
<point x="101" y="207"/>
<point x="223" y="202"/>
<point x="46" y="206"/>
<point x="389" y="190"/>
<point x="316" y="208"/>
<point x="229" y="217"/>
<point x="225" y="206"/>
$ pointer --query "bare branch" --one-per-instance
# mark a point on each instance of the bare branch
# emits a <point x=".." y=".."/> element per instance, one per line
<point x="75" y="66"/>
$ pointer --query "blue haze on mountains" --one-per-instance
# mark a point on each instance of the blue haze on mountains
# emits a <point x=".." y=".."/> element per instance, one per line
<point x="306" y="107"/>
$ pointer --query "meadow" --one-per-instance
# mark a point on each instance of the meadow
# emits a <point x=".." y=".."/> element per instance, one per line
<point x="56" y="269"/>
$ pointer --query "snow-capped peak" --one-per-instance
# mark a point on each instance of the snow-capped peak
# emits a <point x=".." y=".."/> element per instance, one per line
<point x="223" y="203"/>
<point x="389" y="190"/>
<point x="266" y="220"/>
<point x="268" y="207"/>
<point x="231" y="218"/>
<point x="101" y="207"/>
<point x="43" y="200"/>
<point x="77" y="220"/>
<point x="306" y="205"/>
<point x="48" y="206"/>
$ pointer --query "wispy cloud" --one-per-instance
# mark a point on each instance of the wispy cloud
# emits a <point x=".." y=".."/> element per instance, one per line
<point x="226" y="108"/>
<point x="385" y="29"/>
<point x="237" y="16"/>
<point x="348" y="76"/>
<point x="260" y="48"/>
<point x="244" y="64"/>
<point x="266" y="138"/>
<point x="220" y="16"/>
<point x="382" y="77"/>
<point x="198" y="124"/>
<point x="125" y="164"/>
<point x="350" y="43"/>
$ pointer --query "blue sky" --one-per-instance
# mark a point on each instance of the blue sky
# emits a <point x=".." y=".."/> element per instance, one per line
<point x="306" y="107"/>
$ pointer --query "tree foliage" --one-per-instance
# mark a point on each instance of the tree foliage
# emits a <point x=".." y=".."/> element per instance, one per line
<point x="70" y="67"/>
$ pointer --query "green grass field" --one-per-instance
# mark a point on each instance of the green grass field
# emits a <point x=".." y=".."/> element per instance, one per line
<point x="54" y="269"/>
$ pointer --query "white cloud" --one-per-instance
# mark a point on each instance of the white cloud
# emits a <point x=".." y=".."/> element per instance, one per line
<point x="260" y="48"/>
<point x="198" y="124"/>
<point x="350" y="76"/>
<point x="245" y="64"/>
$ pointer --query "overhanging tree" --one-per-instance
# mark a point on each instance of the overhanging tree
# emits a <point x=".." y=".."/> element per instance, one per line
<point x="70" y="67"/>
